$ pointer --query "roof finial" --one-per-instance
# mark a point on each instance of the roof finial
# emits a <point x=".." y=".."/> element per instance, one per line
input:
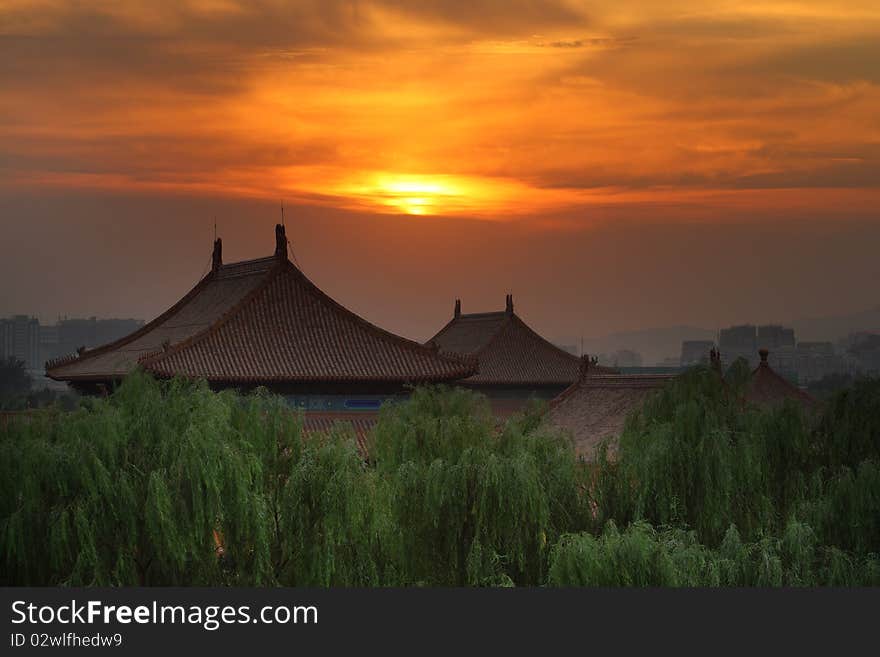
<point x="763" y="353"/>
<point x="509" y="308"/>
<point x="457" y="312"/>
<point x="217" y="256"/>
<point x="584" y="367"/>
<point x="280" y="242"/>
<point x="715" y="359"/>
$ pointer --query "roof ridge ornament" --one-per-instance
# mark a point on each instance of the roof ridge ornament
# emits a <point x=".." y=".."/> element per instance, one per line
<point x="763" y="353"/>
<point x="509" y="304"/>
<point x="217" y="256"/>
<point x="584" y="367"/>
<point x="280" y="242"/>
<point x="715" y="359"/>
<point x="457" y="312"/>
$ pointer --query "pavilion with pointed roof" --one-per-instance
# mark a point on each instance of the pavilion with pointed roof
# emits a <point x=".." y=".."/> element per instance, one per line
<point x="264" y="323"/>
<point x="768" y="388"/>
<point x="515" y="362"/>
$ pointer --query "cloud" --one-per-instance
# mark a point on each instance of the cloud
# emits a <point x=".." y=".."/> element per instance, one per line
<point x="558" y="100"/>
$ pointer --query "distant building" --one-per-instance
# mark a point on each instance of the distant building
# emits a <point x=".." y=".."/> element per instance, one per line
<point x="669" y="363"/>
<point x="73" y="334"/>
<point x="626" y="358"/>
<point x="694" y="352"/>
<point x="738" y="342"/>
<point x="20" y="339"/>
<point x="774" y="336"/>
<point x="49" y="347"/>
<point x="816" y="360"/>
<point x="863" y="351"/>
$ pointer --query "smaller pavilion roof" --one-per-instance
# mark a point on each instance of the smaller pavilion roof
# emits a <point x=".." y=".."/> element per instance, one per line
<point x="509" y="352"/>
<point x="767" y="388"/>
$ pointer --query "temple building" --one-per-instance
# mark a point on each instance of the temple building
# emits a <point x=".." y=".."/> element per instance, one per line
<point x="264" y="323"/>
<point x="595" y="408"/>
<point x="515" y="363"/>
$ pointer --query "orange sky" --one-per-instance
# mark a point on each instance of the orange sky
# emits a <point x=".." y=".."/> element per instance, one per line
<point x="560" y="115"/>
<point x="486" y="108"/>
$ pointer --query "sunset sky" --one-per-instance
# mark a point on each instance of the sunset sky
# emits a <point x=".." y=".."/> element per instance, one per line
<point x="613" y="164"/>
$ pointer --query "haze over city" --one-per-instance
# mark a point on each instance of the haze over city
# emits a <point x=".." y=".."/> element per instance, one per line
<point x="616" y="166"/>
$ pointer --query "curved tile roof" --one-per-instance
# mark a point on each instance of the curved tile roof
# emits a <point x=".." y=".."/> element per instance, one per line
<point x="597" y="406"/>
<point x="767" y="388"/>
<point x="265" y="321"/>
<point x="508" y="350"/>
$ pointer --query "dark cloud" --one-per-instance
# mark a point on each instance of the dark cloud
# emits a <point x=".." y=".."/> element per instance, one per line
<point x="158" y="156"/>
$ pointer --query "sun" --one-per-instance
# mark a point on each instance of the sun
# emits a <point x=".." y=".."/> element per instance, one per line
<point x="436" y="195"/>
<point x="417" y="195"/>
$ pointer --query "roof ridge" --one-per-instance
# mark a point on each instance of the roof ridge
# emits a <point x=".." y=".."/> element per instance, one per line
<point x="150" y="359"/>
<point x="131" y="337"/>
<point x="504" y="324"/>
<point x="455" y="319"/>
<point x="599" y="378"/>
<point x="769" y="371"/>
<point x="487" y="314"/>
<point x="540" y="337"/>
<point x="285" y="266"/>
<point x="394" y="337"/>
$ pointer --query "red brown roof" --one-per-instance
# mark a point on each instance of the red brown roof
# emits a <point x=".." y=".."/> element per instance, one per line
<point x="597" y="406"/>
<point x="263" y="321"/>
<point x="508" y="351"/>
<point x="361" y="423"/>
<point x="767" y="388"/>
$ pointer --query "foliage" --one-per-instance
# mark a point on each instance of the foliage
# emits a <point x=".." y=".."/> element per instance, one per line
<point x="15" y="383"/>
<point x="170" y="483"/>
<point x="830" y="384"/>
<point x="644" y="556"/>
<point x="472" y="506"/>
<point x="17" y="392"/>
<point x="14" y="379"/>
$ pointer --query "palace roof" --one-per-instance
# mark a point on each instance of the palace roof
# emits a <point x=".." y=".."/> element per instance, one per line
<point x="596" y="407"/>
<point x="508" y="350"/>
<point x="263" y="321"/>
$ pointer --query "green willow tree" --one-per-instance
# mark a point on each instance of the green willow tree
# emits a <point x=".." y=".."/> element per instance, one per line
<point x="173" y="484"/>
<point x="472" y="505"/>
<point x="137" y="489"/>
<point x="797" y="497"/>
<point x="170" y="483"/>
